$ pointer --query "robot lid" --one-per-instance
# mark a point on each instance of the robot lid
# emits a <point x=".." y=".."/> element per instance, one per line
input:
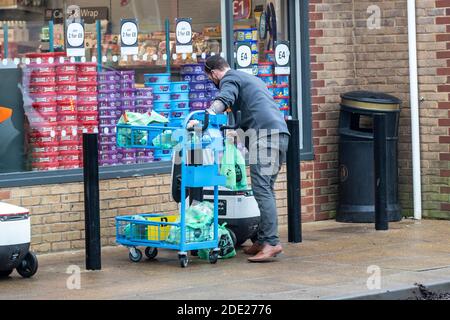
<point x="12" y="210"/>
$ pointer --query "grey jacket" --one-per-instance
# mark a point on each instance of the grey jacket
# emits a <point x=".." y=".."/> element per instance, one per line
<point x="249" y="94"/>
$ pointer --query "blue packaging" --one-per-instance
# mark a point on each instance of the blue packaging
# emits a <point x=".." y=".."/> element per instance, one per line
<point x="157" y="78"/>
<point x="182" y="86"/>
<point x="159" y="87"/>
<point x="162" y="105"/>
<point x="162" y="97"/>
<point x="282" y="79"/>
<point x="179" y="96"/>
<point x="180" y="104"/>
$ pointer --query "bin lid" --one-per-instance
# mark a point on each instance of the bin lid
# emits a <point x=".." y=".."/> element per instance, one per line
<point x="371" y="101"/>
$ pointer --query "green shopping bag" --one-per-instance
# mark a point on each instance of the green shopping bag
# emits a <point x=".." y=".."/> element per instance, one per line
<point x="199" y="219"/>
<point x="233" y="168"/>
<point x="127" y="137"/>
<point x="226" y="245"/>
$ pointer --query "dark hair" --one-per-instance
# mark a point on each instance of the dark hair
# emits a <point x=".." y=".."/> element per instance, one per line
<point x="216" y="62"/>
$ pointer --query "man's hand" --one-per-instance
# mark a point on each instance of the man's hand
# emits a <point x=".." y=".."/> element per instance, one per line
<point x="192" y="124"/>
<point x="231" y="136"/>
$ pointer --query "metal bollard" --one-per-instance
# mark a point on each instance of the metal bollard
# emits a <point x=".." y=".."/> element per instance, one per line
<point x="380" y="158"/>
<point x="92" y="202"/>
<point x="294" y="183"/>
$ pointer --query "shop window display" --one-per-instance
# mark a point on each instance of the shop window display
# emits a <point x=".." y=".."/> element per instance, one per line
<point x="64" y="97"/>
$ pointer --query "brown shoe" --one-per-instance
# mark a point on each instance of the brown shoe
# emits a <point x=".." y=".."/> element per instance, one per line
<point x="267" y="254"/>
<point x="254" y="249"/>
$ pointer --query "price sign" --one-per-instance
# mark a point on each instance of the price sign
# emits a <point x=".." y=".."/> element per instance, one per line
<point x="244" y="58"/>
<point x="129" y="32"/>
<point x="282" y="58"/>
<point x="183" y="32"/>
<point x="242" y="9"/>
<point x="75" y="39"/>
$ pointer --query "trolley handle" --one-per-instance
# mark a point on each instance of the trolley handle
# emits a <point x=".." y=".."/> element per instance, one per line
<point x="236" y="125"/>
<point x="205" y="124"/>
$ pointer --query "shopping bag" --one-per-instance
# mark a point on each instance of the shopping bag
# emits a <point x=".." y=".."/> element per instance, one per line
<point x="233" y="168"/>
<point x="199" y="218"/>
<point x="226" y="245"/>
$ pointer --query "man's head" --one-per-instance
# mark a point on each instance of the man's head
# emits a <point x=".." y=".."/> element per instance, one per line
<point x="216" y="67"/>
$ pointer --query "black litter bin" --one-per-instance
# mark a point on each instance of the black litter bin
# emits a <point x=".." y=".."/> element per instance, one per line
<point x="356" y="156"/>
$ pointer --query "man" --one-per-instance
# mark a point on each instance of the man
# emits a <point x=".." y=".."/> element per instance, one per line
<point x="264" y="124"/>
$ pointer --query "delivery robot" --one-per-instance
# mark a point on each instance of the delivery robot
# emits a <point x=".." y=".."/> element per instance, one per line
<point x="15" y="235"/>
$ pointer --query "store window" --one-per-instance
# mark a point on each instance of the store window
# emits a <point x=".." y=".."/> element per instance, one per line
<point x="266" y="26"/>
<point x="57" y="96"/>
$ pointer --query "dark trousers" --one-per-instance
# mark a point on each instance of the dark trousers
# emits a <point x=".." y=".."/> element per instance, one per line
<point x="271" y="154"/>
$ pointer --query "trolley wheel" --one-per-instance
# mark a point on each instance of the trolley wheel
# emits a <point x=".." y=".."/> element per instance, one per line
<point x="151" y="252"/>
<point x="184" y="261"/>
<point x="29" y="265"/>
<point x="233" y="237"/>
<point x="213" y="256"/>
<point x="135" y="255"/>
<point x="4" y="274"/>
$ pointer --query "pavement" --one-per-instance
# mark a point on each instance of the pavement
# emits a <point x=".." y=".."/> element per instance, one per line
<point x="335" y="261"/>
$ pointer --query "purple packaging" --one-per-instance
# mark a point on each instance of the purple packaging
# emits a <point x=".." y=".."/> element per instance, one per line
<point x="106" y="138"/>
<point x="197" y="95"/>
<point x="127" y="153"/>
<point x="107" y="155"/>
<point x="124" y="109"/>
<point x="144" y="159"/>
<point x="109" y="104"/>
<point x="106" y="129"/>
<point x="128" y="102"/>
<point x="127" y="75"/>
<point x="147" y="102"/>
<point x="198" y="86"/>
<point x="111" y="95"/>
<point x="105" y="163"/>
<point x="126" y="85"/>
<point x="144" y="153"/>
<point x="108" y="146"/>
<point x="127" y="93"/>
<point x="145" y="92"/>
<point x="107" y="112"/>
<point x="108" y="76"/>
<point x="210" y="85"/>
<point x="128" y="160"/>
<point x="194" y="77"/>
<point x="108" y="86"/>
<point x="107" y="121"/>
<point x="143" y="109"/>
<point x="192" y="69"/>
<point x="198" y="104"/>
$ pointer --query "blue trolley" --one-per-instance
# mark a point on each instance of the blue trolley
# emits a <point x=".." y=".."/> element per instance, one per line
<point x="197" y="150"/>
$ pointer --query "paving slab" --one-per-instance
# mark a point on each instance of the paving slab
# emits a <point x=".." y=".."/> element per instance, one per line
<point x="334" y="261"/>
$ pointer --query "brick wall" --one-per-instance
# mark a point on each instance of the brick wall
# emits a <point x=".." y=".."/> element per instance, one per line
<point x="348" y="55"/>
<point x="57" y="211"/>
<point x="434" y="48"/>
